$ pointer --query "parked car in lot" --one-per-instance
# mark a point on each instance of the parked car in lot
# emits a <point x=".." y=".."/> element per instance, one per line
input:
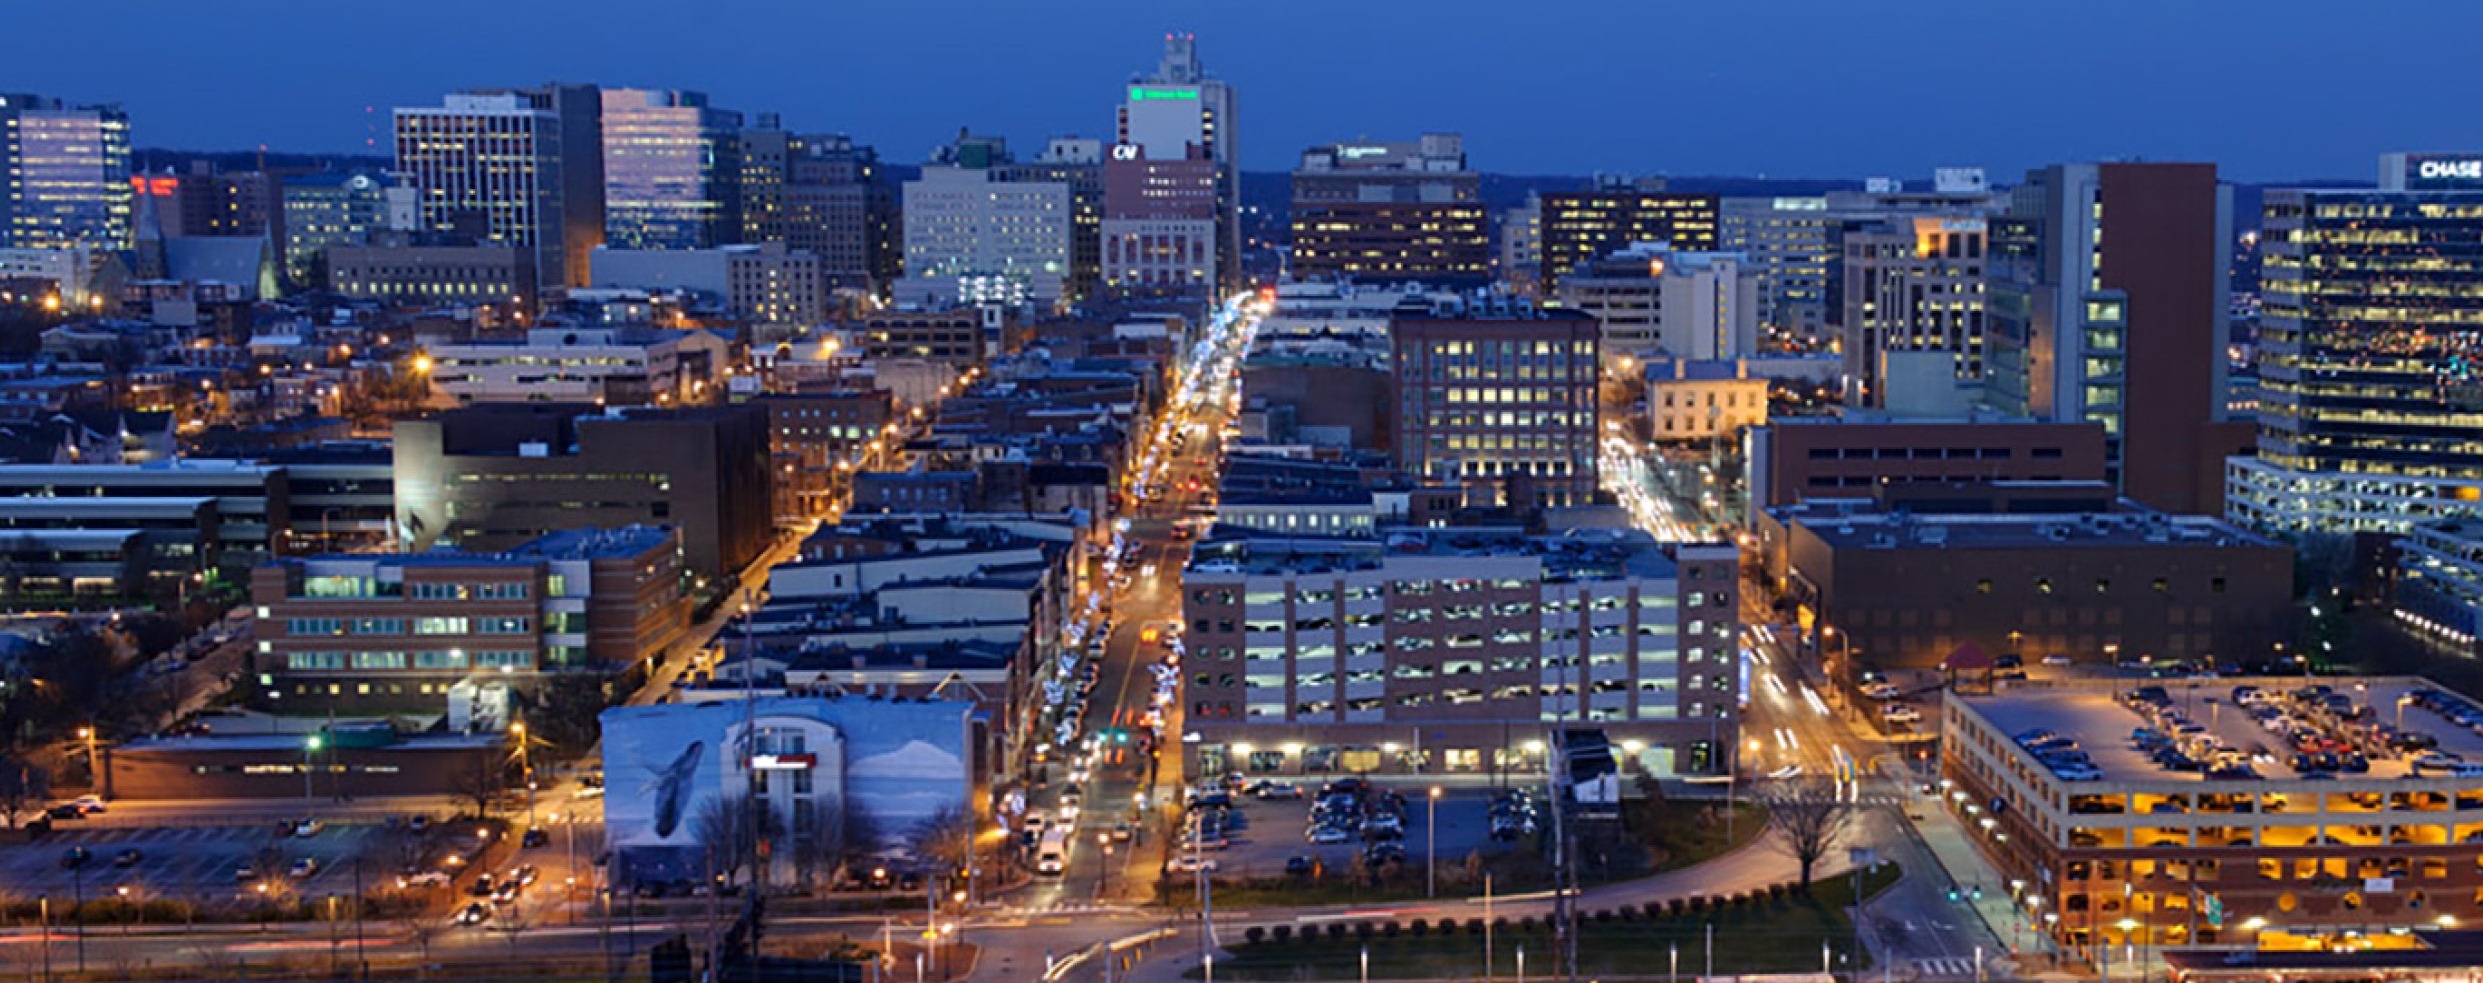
<point x="127" y="858"/>
<point x="1330" y="834"/>
<point x="1901" y="713"/>
<point x="305" y="867"/>
<point x="76" y="857"/>
<point x="474" y="914"/>
<point x="1188" y="863"/>
<point x="1266" y="789"/>
<point x="308" y="827"/>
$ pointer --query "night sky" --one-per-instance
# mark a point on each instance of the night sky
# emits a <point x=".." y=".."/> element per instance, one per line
<point x="2272" y="89"/>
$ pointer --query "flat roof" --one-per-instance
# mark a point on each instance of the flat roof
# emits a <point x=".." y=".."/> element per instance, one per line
<point x="2020" y="530"/>
<point x="2092" y="714"/>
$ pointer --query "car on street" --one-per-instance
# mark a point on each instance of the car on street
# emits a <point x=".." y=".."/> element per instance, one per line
<point x="2056" y="660"/>
<point x="65" y="811"/>
<point x="1298" y="866"/>
<point x="1121" y="832"/>
<point x="1900" y="713"/>
<point x="89" y="804"/>
<point x="534" y="838"/>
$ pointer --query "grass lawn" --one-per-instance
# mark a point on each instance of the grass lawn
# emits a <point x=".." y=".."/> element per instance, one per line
<point x="1677" y="835"/>
<point x="1680" y="836"/>
<point x="1760" y="937"/>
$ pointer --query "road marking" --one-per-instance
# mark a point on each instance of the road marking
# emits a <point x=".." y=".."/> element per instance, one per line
<point x="1946" y="967"/>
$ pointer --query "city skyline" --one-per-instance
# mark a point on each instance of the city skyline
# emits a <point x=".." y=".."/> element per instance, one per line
<point x="1755" y="95"/>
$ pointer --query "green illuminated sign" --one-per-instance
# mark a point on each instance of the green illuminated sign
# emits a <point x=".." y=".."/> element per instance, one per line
<point x="1143" y="94"/>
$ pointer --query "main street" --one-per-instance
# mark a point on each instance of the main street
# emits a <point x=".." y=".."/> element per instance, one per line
<point x="1127" y="785"/>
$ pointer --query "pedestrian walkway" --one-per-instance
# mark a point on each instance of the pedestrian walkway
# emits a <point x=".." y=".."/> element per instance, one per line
<point x="1948" y="840"/>
<point x="1961" y="968"/>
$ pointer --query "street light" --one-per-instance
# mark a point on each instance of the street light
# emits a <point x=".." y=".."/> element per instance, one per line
<point x="1431" y="861"/>
<point x="310" y="746"/>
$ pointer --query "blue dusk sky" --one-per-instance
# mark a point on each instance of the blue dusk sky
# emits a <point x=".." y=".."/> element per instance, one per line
<point x="2271" y="89"/>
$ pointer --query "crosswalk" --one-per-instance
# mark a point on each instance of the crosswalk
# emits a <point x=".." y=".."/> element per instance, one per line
<point x="1955" y="967"/>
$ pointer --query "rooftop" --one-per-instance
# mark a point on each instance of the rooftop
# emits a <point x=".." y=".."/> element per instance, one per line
<point x="1583" y="554"/>
<point x="2271" y="732"/>
<point x="1892" y="530"/>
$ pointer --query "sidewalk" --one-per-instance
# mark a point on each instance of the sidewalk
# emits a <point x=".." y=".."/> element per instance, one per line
<point x="1949" y="842"/>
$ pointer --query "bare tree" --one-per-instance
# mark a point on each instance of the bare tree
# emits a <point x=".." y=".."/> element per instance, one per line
<point x="944" y="838"/>
<point x="421" y="926"/>
<point x="858" y="833"/>
<point x="1811" y="817"/>
<point x="21" y="784"/>
<point x="479" y="781"/>
<point x="731" y="827"/>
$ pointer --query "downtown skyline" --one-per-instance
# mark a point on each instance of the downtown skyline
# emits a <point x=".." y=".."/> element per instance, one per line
<point x="1796" y="90"/>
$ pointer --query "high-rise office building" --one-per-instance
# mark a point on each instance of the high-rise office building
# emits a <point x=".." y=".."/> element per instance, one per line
<point x="2107" y="303"/>
<point x="1520" y="258"/>
<point x="490" y="167"/>
<point x="1580" y="226"/>
<point x="1499" y="395"/>
<point x="1390" y="212"/>
<point x="1911" y="285"/>
<point x="1159" y="234"/>
<point x="2370" y="332"/>
<point x="819" y="193"/>
<point x="340" y="208"/>
<point x="1077" y="162"/>
<point x="672" y="170"/>
<point x="971" y="238"/>
<point x="64" y="174"/>
<point x="1181" y="106"/>
<point x="1787" y="242"/>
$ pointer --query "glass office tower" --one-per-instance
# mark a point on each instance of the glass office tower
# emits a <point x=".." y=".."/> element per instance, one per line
<point x="671" y="168"/>
<point x="64" y="174"/>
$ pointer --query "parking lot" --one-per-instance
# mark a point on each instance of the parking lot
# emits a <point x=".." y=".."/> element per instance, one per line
<point x="203" y="864"/>
<point x="1271" y="832"/>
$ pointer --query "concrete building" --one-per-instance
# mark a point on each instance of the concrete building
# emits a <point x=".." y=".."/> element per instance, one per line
<point x="1907" y="587"/>
<point x="1583" y="226"/>
<point x="820" y="193"/>
<point x="1158" y="235"/>
<point x="1700" y="401"/>
<point x="813" y="763"/>
<point x="1498" y="396"/>
<point x="764" y="284"/>
<point x="1453" y="650"/>
<point x="2108" y="303"/>
<point x="1911" y="285"/>
<point x="64" y="174"/>
<point x="670" y="168"/>
<point x="1799" y="458"/>
<point x="497" y="475"/>
<point x="1518" y="262"/>
<point x="1078" y="163"/>
<point x="338" y="209"/>
<point x="1624" y="293"/>
<point x="1710" y="307"/>
<point x="968" y="236"/>
<point x="1382" y="212"/>
<point x="492" y="167"/>
<point x="952" y="336"/>
<point x="2366" y="391"/>
<point x="76" y="550"/>
<point x="392" y="631"/>
<point x="602" y="366"/>
<point x="1180" y="107"/>
<point x="2278" y="853"/>
<point x="2437" y="590"/>
<point x="1786" y="240"/>
<point x="404" y="274"/>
